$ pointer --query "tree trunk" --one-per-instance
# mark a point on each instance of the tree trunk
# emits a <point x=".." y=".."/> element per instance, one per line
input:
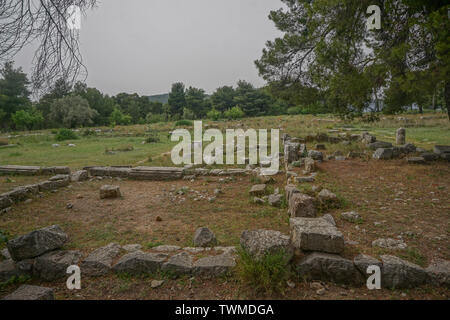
<point x="447" y="97"/>
<point x="434" y="100"/>
<point x="420" y="109"/>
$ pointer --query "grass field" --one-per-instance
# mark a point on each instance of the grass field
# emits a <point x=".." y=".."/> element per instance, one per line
<point x="35" y="148"/>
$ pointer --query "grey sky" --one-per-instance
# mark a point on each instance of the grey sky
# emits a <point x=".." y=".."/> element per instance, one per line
<point x="144" y="46"/>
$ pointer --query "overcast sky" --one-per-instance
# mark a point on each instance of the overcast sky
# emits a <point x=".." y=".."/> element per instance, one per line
<point x="144" y="46"/>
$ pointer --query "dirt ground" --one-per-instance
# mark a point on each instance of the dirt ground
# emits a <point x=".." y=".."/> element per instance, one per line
<point x="394" y="199"/>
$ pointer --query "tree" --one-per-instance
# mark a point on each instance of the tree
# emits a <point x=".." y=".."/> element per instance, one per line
<point x="72" y="111"/>
<point x="223" y="98"/>
<point x="118" y="118"/>
<point x="27" y="120"/>
<point x="327" y="47"/>
<point x="177" y="99"/>
<point x="45" y="22"/>
<point x="14" y="93"/>
<point x="253" y="102"/>
<point x="58" y="90"/>
<point x="196" y="102"/>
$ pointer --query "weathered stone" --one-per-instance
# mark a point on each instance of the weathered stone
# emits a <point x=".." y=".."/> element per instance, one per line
<point x="439" y="149"/>
<point x="260" y="242"/>
<point x="389" y="244"/>
<point x="329" y="267"/>
<point x="416" y="160"/>
<point x="59" y="177"/>
<point x="401" y="136"/>
<point x="380" y="145"/>
<point x="204" y="237"/>
<point x="409" y="147"/>
<point x="20" y="170"/>
<point x="99" y="262"/>
<point x="316" y="234"/>
<point x="156" y="173"/>
<point x="5" y="202"/>
<point x="53" y="185"/>
<point x="290" y="189"/>
<point x="327" y="196"/>
<point x="214" y="265"/>
<point x="428" y="156"/>
<point x="180" y="263"/>
<point x="445" y="156"/>
<point x="165" y="248"/>
<point x="301" y="205"/>
<point x="122" y="172"/>
<point x="4" y="254"/>
<point x="108" y="191"/>
<point x="53" y="265"/>
<point x="132" y="247"/>
<point x="80" y="175"/>
<point x="258" y="190"/>
<point x="36" y="243"/>
<point x="362" y="262"/>
<point x="351" y="216"/>
<point x="8" y="270"/>
<point x="398" y="274"/>
<point x="138" y="262"/>
<point x="27" y="292"/>
<point x="439" y="272"/>
<point x="298" y="164"/>
<point x="291" y="152"/>
<point x="316" y="155"/>
<point x="22" y="193"/>
<point x="368" y="138"/>
<point x="328" y="217"/>
<point x="310" y="165"/>
<point x="383" y="154"/>
<point x="156" y="283"/>
<point x="275" y="200"/>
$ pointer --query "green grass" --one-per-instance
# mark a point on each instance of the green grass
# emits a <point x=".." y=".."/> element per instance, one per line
<point x="267" y="274"/>
<point x="35" y="148"/>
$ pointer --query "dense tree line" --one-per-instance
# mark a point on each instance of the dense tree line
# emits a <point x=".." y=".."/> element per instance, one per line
<point x="80" y="106"/>
<point x="329" y="60"/>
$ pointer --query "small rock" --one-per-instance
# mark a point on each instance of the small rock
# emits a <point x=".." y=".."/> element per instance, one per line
<point x="156" y="283"/>
<point x="204" y="237"/>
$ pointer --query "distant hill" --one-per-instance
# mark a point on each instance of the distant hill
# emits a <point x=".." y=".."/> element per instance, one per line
<point x="163" y="98"/>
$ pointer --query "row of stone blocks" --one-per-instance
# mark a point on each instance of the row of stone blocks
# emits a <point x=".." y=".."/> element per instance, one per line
<point x="33" y="170"/>
<point x="24" y="192"/>
<point x="39" y="254"/>
<point x="161" y="173"/>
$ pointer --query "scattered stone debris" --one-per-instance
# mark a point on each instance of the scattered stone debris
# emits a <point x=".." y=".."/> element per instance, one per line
<point x="258" y="190"/>
<point x="389" y="244"/>
<point x="260" y="242"/>
<point x="351" y="216"/>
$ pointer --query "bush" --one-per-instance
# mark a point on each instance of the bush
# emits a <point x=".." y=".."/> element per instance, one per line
<point x="152" y="138"/>
<point x="184" y="123"/>
<point x="188" y="114"/>
<point x="234" y="113"/>
<point x="294" y="110"/>
<point x="267" y="274"/>
<point x="155" y="118"/>
<point x="65" y="134"/>
<point x="213" y="114"/>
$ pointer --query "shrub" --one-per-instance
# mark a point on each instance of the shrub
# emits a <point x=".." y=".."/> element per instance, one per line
<point x="268" y="274"/>
<point x="294" y="110"/>
<point x="152" y="137"/>
<point x="188" y="114"/>
<point x="213" y="114"/>
<point x="183" y="123"/>
<point x="65" y="134"/>
<point x="155" y="118"/>
<point x="234" y="113"/>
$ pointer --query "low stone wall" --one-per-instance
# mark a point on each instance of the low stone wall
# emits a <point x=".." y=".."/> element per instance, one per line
<point x="33" y="170"/>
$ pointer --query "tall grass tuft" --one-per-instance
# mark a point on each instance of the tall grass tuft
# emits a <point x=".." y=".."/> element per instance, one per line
<point x="266" y="274"/>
